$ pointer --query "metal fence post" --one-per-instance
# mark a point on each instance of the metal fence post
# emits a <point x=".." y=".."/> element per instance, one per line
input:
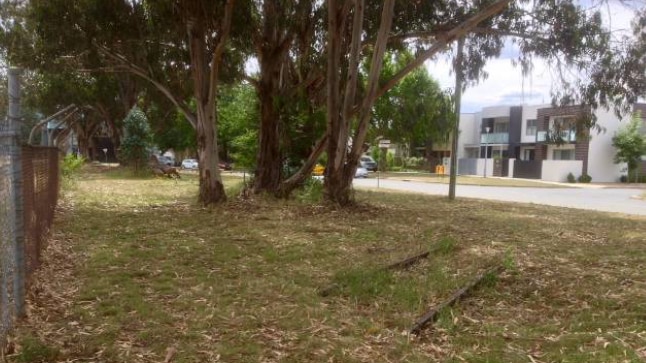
<point x="20" y="266"/>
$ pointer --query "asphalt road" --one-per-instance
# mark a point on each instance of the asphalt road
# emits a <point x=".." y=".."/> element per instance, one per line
<point x="605" y="199"/>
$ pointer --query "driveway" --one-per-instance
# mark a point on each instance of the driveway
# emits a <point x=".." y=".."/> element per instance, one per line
<point x="605" y="199"/>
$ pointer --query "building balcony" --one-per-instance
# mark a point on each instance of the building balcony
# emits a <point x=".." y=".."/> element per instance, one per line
<point x="552" y="137"/>
<point x="495" y="138"/>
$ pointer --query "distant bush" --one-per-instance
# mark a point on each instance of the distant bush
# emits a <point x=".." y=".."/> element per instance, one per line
<point x="571" y="178"/>
<point x="390" y="160"/>
<point x="70" y="167"/>
<point x="312" y="191"/>
<point x="585" y="178"/>
<point x="414" y="162"/>
<point x="137" y="140"/>
<point x="633" y="177"/>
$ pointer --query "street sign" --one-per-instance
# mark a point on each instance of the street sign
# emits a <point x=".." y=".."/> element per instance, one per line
<point x="384" y="143"/>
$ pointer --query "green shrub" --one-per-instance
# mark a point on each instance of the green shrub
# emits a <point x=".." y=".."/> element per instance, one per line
<point x="585" y="178"/>
<point x="70" y="165"/>
<point x="414" y="162"/>
<point x="34" y="350"/>
<point x="137" y="141"/>
<point x="633" y="177"/>
<point x="571" y="178"/>
<point x="312" y="191"/>
<point x="390" y="160"/>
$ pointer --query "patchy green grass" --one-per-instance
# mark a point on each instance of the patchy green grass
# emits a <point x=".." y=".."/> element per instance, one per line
<point x="468" y="180"/>
<point x="135" y="268"/>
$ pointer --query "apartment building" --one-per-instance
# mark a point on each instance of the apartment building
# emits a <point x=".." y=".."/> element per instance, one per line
<point x="540" y="142"/>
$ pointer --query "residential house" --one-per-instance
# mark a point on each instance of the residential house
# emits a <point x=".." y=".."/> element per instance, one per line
<point x="540" y="142"/>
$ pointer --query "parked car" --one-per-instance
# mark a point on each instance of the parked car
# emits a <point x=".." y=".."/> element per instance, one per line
<point x="189" y="164"/>
<point x="166" y="160"/>
<point x="224" y="165"/>
<point x="368" y="163"/>
<point x="361" y="172"/>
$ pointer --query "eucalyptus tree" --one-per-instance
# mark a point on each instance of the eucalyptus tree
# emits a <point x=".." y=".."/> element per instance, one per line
<point x="178" y="48"/>
<point x="54" y="39"/>
<point x="561" y="32"/>
<point x="185" y="44"/>
<point x="414" y="112"/>
<point x="288" y="46"/>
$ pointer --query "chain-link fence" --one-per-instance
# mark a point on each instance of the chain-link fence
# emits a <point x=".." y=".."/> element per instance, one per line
<point x="40" y="170"/>
<point x="28" y="195"/>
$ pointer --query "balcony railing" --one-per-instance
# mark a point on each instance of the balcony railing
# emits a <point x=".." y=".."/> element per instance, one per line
<point x="495" y="138"/>
<point x="553" y="137"/>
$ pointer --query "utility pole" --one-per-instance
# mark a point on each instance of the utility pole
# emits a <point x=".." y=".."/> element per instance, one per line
<point x="456" y="130"/>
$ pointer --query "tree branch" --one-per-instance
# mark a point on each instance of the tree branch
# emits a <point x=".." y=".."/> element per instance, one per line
<point x="442" y="41"/>
<point x="130" y="67"/>
<point x="373" y="79"/>
<point x="219" y="49"/>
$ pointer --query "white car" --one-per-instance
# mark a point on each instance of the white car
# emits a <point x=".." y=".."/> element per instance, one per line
<point x="361" y="172"/>
<point x="189" y="164"/>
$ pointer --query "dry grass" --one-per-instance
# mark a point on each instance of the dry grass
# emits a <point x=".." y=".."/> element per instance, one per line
<point x="135" y="269"/>
<point x="469" y="180"/>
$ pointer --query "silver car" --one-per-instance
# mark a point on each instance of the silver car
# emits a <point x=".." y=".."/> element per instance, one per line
<point x="189" y="164"/>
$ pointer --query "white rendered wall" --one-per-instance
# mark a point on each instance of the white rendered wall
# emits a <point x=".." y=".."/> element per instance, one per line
<point x="558" y="170"/>
<point x="481" y="167"/>
<point x="468" y="132"/>
<point x="601" y="166"/>
<point x="511" y="167"/>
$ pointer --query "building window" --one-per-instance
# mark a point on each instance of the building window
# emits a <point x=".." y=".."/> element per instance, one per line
<point x="528" y="154"/>
<point x="531" y="128"/>
<point x="563" y="154"/>
<point x="500" y="127"/>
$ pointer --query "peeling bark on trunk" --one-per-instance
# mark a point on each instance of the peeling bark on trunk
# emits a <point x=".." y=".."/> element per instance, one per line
<point x="205" y="72"/>
<point x="338" y="180"/>
<point x="272" y="45"/>
<point x="211" y="189"/>
<point x="339" y="177"/>
<point x="268" y="163"/>
<point x="334" y="187"/>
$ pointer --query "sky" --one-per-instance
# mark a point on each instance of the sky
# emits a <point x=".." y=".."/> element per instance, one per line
<point x="505" y="84"/>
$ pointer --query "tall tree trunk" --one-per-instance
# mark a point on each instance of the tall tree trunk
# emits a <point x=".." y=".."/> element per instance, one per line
<point x="211" y="189"/>
<point x="268" y="162"/>
<point x="272" y="45"/>
<point x="338" y="182"/>
<point x="205" y="72"/>
<point x="335" y="189"/>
